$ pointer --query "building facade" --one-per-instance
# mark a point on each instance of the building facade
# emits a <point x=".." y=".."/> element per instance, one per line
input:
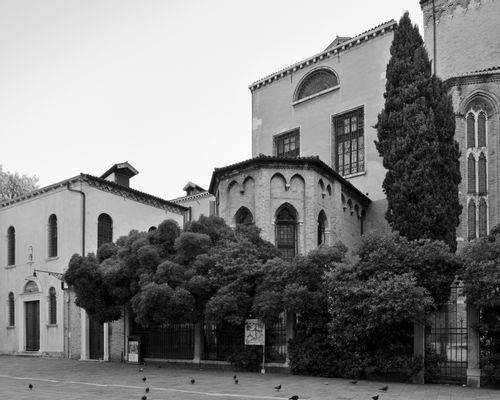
<point x="42" y="230"/>
<point x="462" y="41"/>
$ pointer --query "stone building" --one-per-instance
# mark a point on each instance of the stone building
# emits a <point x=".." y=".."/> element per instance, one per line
<point x="42" y="230"/>
<point x="315" y="160"/>
<point x="461" y="37"/>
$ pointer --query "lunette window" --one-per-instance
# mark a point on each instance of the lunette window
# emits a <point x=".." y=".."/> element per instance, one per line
<point x="315" y="83"/>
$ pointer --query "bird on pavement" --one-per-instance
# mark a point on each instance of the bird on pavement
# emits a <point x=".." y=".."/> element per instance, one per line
<point x="144" y="397"/>
<point x="294" y="397"/>
<point x="375" y="397"/>
<point x="147" y="390"/>
<point x="354" y="381"/>
<point x="384" y="388"/>
<point x="144" y="379"/>
<point x="30" y="386"/>
<point x="236" y="381"/>
<point x="278" y="387"/>
<point x="235" y="377"/>
<point x="192" y="381"/>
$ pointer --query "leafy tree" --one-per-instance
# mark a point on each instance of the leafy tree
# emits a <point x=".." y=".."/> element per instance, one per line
<point x="415" y="139"/>
<point x="14" y="185"/>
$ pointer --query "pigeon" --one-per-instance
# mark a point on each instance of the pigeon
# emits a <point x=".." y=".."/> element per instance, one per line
<point x="354" y="381"/>
<point x="192" y="381"/>
<point x="384" y="388"/>
<point x="375" y="397"/>
<point x="144" y="379"/>
<point x="235" y="377"/>
<point x="278" y="387"/>
<point x="147" y="390"/>
<point x="144" y="397"/>
<point x="30" y="386"/>
<point x="294" y="397"/>
<point x="236" y="381"/>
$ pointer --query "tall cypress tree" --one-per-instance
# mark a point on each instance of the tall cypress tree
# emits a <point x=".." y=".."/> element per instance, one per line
<point x="416" y="141"/>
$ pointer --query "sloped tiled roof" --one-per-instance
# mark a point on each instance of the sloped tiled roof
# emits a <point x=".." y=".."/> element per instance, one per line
<point x="271" y="161"/>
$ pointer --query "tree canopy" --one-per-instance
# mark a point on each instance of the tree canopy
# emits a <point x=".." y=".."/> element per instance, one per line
<point x="416" y="141"/>
<point x="14" y="185"/>
<point x="208" y="271"/>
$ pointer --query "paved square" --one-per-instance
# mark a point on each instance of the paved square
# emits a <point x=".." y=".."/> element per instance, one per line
<point x="54" y="379"/>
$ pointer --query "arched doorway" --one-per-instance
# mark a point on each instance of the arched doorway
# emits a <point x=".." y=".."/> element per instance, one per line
<point x="286" y="231"/>
<point x="32" y="318"/>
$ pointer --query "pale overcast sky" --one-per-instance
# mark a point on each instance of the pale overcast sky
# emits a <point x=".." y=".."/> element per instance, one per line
<point x="163" y="84"/>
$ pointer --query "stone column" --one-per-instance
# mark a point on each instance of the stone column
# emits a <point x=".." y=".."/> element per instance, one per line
<point x="473" y="370"/>
<point x="198" y="342"/>
<point x="290" y="318"/>
<point x="419" y="345"/>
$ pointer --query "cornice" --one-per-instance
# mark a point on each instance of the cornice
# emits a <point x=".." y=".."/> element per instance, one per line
<point x="192" y="197"/>
<point x="480" y="76"/>
<point x="348" y="44"/>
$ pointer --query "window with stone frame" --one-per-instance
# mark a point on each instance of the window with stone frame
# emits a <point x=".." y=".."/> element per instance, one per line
<point x="12" y="310"/>
<point x="104" y="229"/>
<point x="321" y="228"/>
<point x="287" y="144"/>
<point x="349" y="142"/>
<point x="52" y="236"/>
<point x="11" y="246"/>
<point x="471" y="174"/>
<point x="52" y="306"/>
<point x="483" y="218"/>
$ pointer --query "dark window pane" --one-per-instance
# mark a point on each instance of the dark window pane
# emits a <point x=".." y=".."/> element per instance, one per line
<point x="471" y="220"/>
<point x="104" y="229"/>
<point x="52" y="236"/>
<point x="481" y="130"/>
<point x="471" y="136"/>
<point x="483" y="185"/>
<point x="349" y="139"/>
<point x="483" y="218"/>
<point x="288" y="145"/>
<point x="12" y="318"/>
<point x="11" y="246"/>
<point x="52" y="306"/>
<point x="471" y="174"/>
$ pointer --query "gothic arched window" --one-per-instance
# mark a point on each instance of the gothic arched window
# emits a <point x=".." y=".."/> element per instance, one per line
<point x="52" y="236"/>
<point x="481" y="130"/>
<point x="321" y="228"/>
<point x="471" y="134"/>
<point x="483" y="185"/>
<point x="471" y="174"/>
<point x="243" y="216"/>
<point x="483" y="218"/>
<point x="104" y="229"/>
<point x="471" y="220"/>
<point x="286" y="231"/>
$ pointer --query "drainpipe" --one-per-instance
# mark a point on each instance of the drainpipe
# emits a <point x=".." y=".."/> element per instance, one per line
<point x="83" y="254"/>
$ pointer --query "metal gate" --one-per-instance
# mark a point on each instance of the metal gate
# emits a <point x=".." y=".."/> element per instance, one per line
<point x="446" y="338"/>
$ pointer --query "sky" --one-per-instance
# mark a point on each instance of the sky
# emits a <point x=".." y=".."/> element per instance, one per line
<point x="162" y="84"/>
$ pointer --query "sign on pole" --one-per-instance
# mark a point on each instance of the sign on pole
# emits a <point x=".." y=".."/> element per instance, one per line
<point x="255" y="332"/>
<point x="255" y="335"/>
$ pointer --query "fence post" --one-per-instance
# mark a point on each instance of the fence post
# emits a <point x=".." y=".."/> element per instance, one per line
<point x="473" y="370"/>
<point x="419" y="345"/>
<point x="198" y="342"/>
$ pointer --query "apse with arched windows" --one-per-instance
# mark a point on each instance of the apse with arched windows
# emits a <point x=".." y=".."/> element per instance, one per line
<point x="477" y="172"/>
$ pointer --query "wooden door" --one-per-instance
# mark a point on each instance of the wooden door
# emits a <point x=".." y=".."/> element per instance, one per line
<point x="32" y="325"/>
<point x="96" y="340"/>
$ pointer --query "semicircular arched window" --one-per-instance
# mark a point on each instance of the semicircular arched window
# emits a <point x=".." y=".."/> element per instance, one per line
<point x="317" y="82"/>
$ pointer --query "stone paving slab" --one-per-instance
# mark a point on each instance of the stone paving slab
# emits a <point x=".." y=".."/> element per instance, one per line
<point x="61" y="379"/>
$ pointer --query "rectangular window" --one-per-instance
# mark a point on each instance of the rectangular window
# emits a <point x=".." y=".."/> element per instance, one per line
<point x="288" y="144"/>
<point x="348" y="129"/>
